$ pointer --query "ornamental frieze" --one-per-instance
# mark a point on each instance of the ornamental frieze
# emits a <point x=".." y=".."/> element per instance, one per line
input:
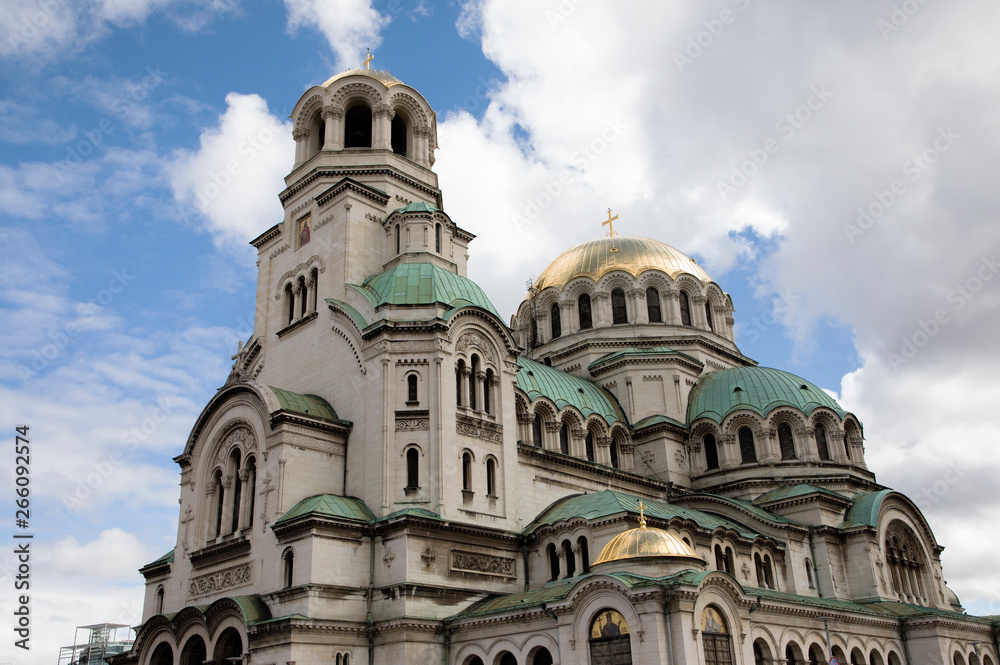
<point x="229" y="578"/>
<point x="484" y="564"/>
<point x="479" y="429"/>
<point x="412" y="424"/>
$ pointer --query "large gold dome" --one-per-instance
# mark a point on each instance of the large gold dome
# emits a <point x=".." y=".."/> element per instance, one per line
<point x="634" y="255"/>
<point x="645" y="542"/>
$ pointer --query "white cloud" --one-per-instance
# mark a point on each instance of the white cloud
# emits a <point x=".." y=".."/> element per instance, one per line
<point x="235" y="175"/>
<point x="350" y="26"/>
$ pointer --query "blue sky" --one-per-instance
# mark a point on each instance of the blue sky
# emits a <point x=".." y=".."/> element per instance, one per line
<point x="123" y="294"/>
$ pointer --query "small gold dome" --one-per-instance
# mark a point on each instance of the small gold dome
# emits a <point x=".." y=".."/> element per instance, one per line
<point x="632" y="254"/>
<point x="385" y="78"/>
<point x="645" y="542"/>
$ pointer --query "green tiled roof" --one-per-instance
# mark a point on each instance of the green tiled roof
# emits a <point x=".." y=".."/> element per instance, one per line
<point x="329" y="506"/>
<point x="518" y="601"/>
<point x="355" y="315"/>
<point x="417" y="206"/>
<point x="759" y="389"/>
<point x="640" y="352"/>
<point x="407" y="512"/>
<point x="792" y="491"/>
<point x="310" y="405"/>
<point x="745" y="505"/>
<point x="424" y="284"/>
<point x="253" y="608"/>
<point x="166" y="558"/>
<point x="605" y="503"/>
<point x="657" y="419"/>
<point x="864" y="511"/>
<point x="539" y="380"/>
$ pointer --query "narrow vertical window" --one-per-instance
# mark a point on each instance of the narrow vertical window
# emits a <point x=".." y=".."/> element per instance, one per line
<point x="488" y="392"/>
<point x="412" y="469"/>
<point x="785" y="442"/>
<point x="288" y="574"/>
<point x="536" y="431"/>
<point x="821" y="446"/>
<point x="315" y="288"/>
<point x="303" y="296"/>
<point x="397" y="135"/>
<point x="467" y="472"/>
<point x="397" y="238"/>
<point x="251" y="489"/>
<point x="581" y="542"/>
<point x="220" y="491"/>
<point x="290" y="302"/>
<point x="589" y="444"/>
<point x="613" y="449"/>
<point x="491" y="477"/>
<point x="159" y="600"/>
<point x="570" y="558"/>
<point x="711" y="452"/>
<point x="459" y="371"/>
<point x="234" y="518"/>
<point x="411" y="390"/>
<point x="437" y="238"/>
<point x="583" y="306"/>
<point x="748" y="451"/>
<point x="653" y="305"/>
<point x="564" y="439"/>
<point x="685" y="309"/>
<point x="556" y="321"/>
<point x="619" y="312"/>
<point x="708" y="316"/>
<point x="472" y="382"/>
<point x="358" y="127"/>
<point x="553" y="562"/>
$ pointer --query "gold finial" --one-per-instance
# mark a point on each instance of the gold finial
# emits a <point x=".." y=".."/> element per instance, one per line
<point x="368" y="59"/>
<point x="642" y="517"/>
<point x="609" y="222"/>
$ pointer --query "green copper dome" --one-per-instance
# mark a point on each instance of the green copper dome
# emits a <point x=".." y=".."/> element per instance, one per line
<point x="758" y="389"/>
<point x="539" y="380"/>
<point x="424" y="284"/>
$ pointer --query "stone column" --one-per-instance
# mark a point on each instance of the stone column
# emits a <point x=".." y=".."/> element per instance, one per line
<point x="600" y="308"/>
<point x="640" y="313"/>
<point x="578" y="558"/>
<point x="227" y="506"/>
<point x="672" y="308"/>
<point x="245" y="497"/>
<point x="808" y="452"/>
<point x="213" y="506"/>
<point x="333" y="138"/>
<point x="524" y="428"/>
<point x="421" y="145"/>
<point x="626" y="457"/>
<point x="301" y="137"/>
<point x="729" y="457"/>
<point x="561" y="555"/>
<point x="550" y="437"/>
<point x="698" y="312"/>
<point x="578" y="443"/>
<point x="602" y="455"/>
<point x="569" y="318"/>
<point x="464" y="397"/>
<point x="382" y="133"/>
<point x="480" y="380"/>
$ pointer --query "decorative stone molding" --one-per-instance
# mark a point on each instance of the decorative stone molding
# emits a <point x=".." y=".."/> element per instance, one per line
<point x="230" y="578"/>
<point x="389" y="557"/>
<point x="332" y="112"/>
<point x="300" y="134"/>
<point x="412" y="424"/>
<point x="479" y="429"/>
<point x="278" y="251"/>
<point x="472" y="338"/>
<point x="483" y="564"/>
<point x="428" y="556"/>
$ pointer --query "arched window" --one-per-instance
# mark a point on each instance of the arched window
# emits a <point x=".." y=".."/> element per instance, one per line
<point x="857" y="658"/>
<point x="541" y="656"/>
<point x="564" y="439"/>
<point x="875" y="658"/>
<point x="289" y="303"/>
<point x="507" y="658"/>
<point x="570" y="557"/>
<point x="459" y="373"/>
<point x="619" y="313"/>
<point x="838" y="653"/>
<point x="583" y="307"/>
<point x="785" y="441"/>
<point x="314" y="280"/>
<point x="317" y="134"/>
<point x="715" y="638"/>
<point x="536" y="430"/>
<point x="194" y="651"/>
<point x="759" y="565"/>
<point x="475" y="660"/>
<point x="491" y="477"/>
<point x="556" y="321"/>
<point x="821" y="446"/>
<point x="553" y="562"/>
<point x="398" y="135"/>
<point x="220" y="494"/>
<point x="816" y="656"/>
<point x="251" y="489"/>
<point x="793" y="655"/>
<point x="613" y="450"/>
<point x="411" y="390"/>
<point x="162" y="655"/>
<point x="711" y="452"/>
<point x="412" y="469"/>
<point x="467" y="471"/>
<point x="761" y="653"/>
<point x="159" y="600"/>
<point x="437" y="238"/>
<point x="708" y="316"/>
<point x="724" y="559"/>
<point x="685" y="309"/>
<point x="581" y="542"/>
<point x="653" y="305"/>
<point x="906" y="562"/>
<point x="397" y="238"/>
<point x="234" y="516"/>
<point x="809" y="574"/>
<point x="748" y="451"/>
<point x="303" y="296"/>
<point x="228" y="646"/>
<point x="288" y="568"/>
<point x="358" y="127"/>
<point x="473" y="379"/>
<point x="589" y="446"/>
<point x="609" y="639"/>
<point x="488" y="392"/>
<point x="768" y="572"/>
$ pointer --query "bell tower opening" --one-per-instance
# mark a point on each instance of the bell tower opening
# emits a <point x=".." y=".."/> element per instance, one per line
<point x="358" y="127"/>
<point x="398" y="140"/>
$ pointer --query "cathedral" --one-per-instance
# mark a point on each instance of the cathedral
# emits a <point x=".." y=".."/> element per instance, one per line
<point x="395" y="473"/>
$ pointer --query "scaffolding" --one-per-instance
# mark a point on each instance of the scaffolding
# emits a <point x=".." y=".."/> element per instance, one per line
<point x="92" y="644"/>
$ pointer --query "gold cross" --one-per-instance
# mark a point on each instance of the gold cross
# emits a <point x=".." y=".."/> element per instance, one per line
<point x="642" y="517"/>
<point x="368" y="58"/>
<point x="608" y="222"/>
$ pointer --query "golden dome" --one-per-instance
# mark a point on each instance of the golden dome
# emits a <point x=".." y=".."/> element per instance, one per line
<point x="385" y="78"/>
<point x="595" y="259"/>
<point x="645" y="542"/>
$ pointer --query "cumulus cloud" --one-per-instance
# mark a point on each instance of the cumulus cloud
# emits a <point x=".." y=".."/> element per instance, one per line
<point x="350" y="26"/>
<point x="234" y="176"/>
<point x="749" y="123"/>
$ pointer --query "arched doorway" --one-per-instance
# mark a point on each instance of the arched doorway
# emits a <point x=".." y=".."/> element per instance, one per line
<point x="162" y="655"/>
<point x="540" y="656"/>
<point x="715" y="638"/>
<point x="229" y="645"/>
<point x="610" y="643"/>
<point x="194" y="651"/>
